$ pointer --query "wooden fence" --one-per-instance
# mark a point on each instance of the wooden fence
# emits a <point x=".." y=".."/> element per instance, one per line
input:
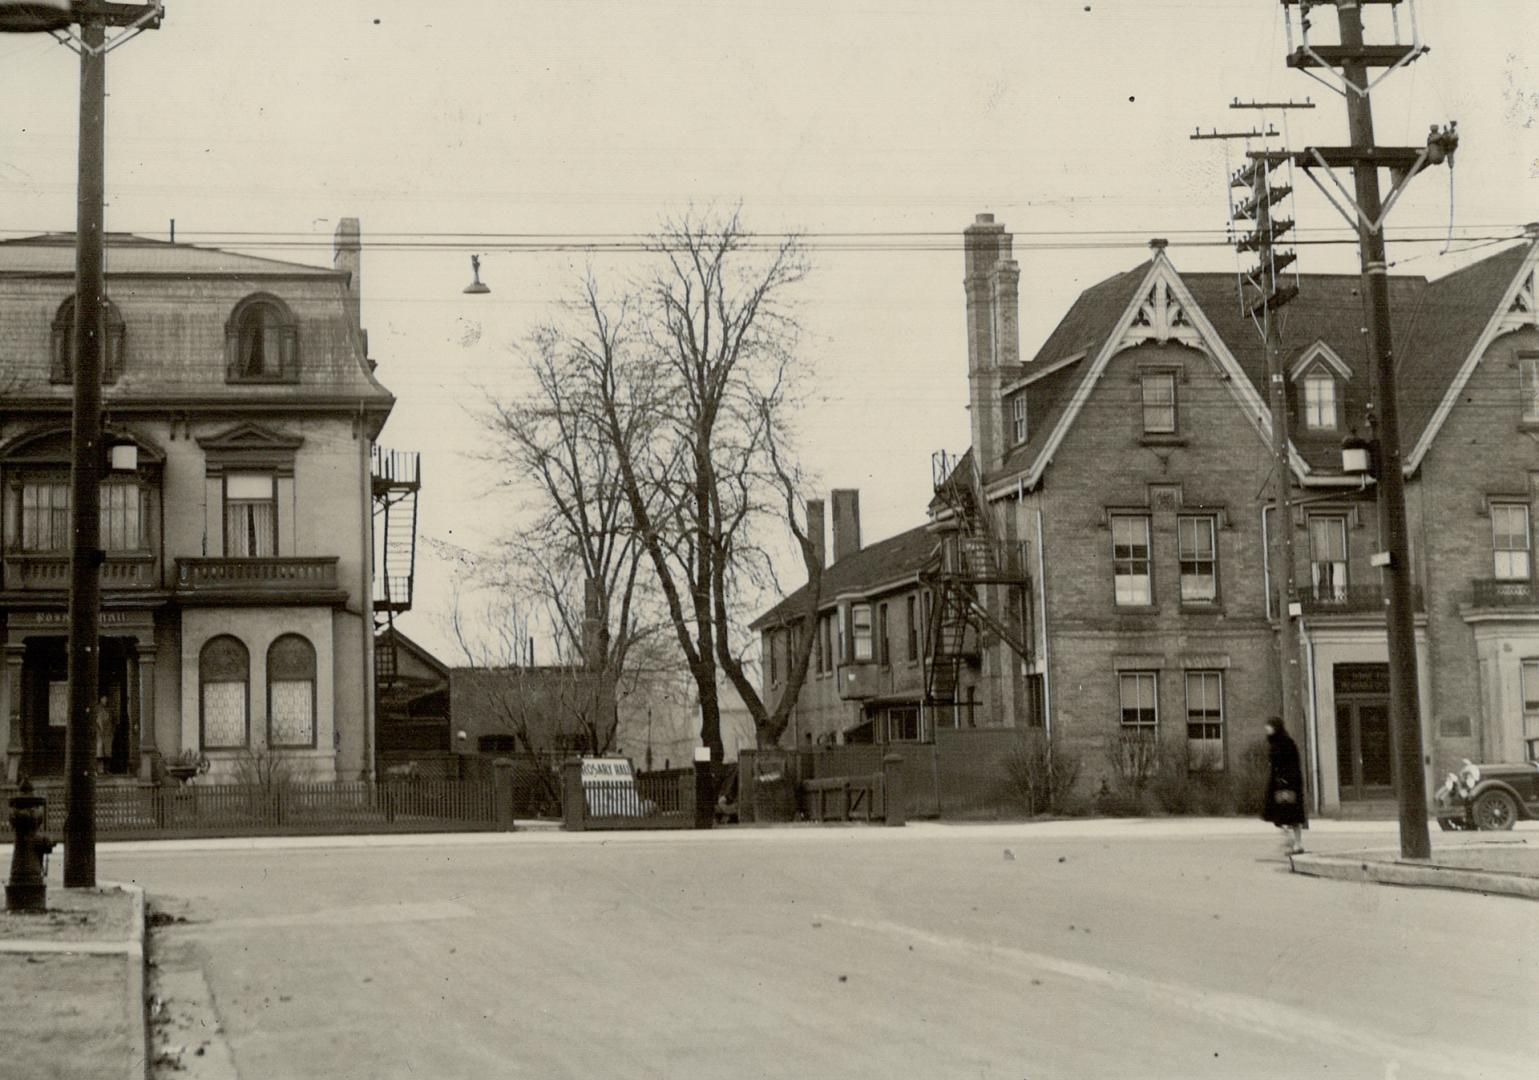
<point x="124" y="813"/>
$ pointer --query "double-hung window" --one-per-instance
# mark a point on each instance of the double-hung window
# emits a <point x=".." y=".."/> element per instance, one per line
<point x="913" y="628"/>
<point x="45" y="516"/>
<point x="1138" y="694"/>
<point x="1319" y="401"/>
<point x="860" y="632"/>
<point x="1199" y="560"/>
<point x="1528" y="372"/>
<point x="1205" y="720"/>
<point x="1018" y="429"/>
<point x="1510" y="540"/>
<point x="1531" y="709"/>
<point x="1159" y="394"/>
<point x="1130" y="560"/>
<point x="1328" y="557"/>
<point x="250" y="515"/>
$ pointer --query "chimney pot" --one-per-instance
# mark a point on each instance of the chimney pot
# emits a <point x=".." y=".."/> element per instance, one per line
<point x="984" y="219"/>
<point x="1159" y="243"/>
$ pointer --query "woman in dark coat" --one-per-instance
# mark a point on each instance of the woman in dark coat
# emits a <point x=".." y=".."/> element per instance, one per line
<point x="1283" y="804"/>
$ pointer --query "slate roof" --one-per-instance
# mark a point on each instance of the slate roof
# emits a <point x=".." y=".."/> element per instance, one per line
<point x="175" y="301"/>
<point x="1434" y="326"/>
<point x="54" y="253"/>
<point x="887" y="561"/>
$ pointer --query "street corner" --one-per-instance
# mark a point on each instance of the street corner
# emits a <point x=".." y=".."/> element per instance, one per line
<point x="72" y="984"/>
<point x="1494" y="868"/>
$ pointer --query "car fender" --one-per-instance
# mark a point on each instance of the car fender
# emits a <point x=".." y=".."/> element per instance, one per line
<point x="1499" y="785"/>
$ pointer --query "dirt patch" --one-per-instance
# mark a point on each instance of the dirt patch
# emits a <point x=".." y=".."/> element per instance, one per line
<point x="74" y="915"/>
<point x="62" y="1015"/>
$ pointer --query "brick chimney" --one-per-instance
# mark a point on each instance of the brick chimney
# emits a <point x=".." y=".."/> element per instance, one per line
<point x="817" y="530"/>
<point x="992" y="287"/>
<point x="347" y="256"/>
<point x="846" y="522"/>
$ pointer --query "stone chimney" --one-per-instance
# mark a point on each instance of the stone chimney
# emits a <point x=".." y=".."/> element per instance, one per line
<point x="992" y="288"/>
<point x="347" y="256"/>
<point x="846" y="522"/>
<point x="816" y="529"/>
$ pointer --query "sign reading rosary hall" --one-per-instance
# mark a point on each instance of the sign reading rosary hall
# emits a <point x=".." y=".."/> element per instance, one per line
<point x="609" y="788"/>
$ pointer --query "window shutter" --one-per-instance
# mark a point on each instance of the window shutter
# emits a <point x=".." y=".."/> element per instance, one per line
<point x="112" y="365"/>
<point x="59" y="370"/>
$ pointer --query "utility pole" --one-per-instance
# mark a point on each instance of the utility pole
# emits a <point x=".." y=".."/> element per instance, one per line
<point x="85" y="553"/>
<point x="88" y="454"/>
<point x="1262" y="292"/>
<point x="1350" y="61"/>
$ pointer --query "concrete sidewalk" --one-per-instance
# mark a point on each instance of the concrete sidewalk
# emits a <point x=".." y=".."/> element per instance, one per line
<point x="72" y="985"/>
<point x="1500" y="867"/>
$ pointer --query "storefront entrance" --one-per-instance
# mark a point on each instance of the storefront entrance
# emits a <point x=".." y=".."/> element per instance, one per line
<point x="1363" y="758"/>
<point x="45" y="707"/>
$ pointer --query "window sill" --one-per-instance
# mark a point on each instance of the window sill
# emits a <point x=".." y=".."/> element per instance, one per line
<point x="1155" y="439"/>
<point x="1201" y="607"/>
<point x="1137" y="609"/>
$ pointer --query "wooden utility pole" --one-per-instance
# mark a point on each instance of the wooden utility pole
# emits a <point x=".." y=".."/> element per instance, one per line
<point x="1262" y="292"/>
<point x="1350" y="60"/>
<point x="85" y="553"/>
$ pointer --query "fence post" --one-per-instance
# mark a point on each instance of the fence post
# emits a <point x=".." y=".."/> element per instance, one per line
<point x="574" y="806"/>
<point x="502" y="792"/>
<point x="893" y="808"/>
<point x="705" y="788"/>
<point x="747" y="786"/>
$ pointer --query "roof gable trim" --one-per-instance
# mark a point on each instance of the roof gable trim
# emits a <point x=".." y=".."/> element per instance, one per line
<point x="1320" y="353"/>
<point x="1162" y="304"/>
<point x="1509" y="315"/>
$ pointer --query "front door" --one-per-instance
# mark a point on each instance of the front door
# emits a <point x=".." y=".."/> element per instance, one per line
<point x="1363" y="758"/>
<point x="45" y="708"/>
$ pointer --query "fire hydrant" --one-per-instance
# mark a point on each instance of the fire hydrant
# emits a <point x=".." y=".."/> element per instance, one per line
<point x="27" y="890"/>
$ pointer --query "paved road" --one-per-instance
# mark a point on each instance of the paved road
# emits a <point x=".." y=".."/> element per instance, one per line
<point x="1145" y="949"/>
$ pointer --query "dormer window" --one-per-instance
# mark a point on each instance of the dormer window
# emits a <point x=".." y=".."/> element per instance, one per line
<point x="1321" y="374"/>
<point x="1018" y="419"/>
<point x="261" y="342"/>
<point x="62" y="369"/>
<point x="1320" y="412"/>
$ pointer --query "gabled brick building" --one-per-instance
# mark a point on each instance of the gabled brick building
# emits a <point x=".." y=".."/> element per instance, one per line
<point x="238" y="595"/>
<point x="1129" y="462"/>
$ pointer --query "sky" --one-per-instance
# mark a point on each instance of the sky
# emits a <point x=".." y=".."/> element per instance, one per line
<point x="449" y="127"/>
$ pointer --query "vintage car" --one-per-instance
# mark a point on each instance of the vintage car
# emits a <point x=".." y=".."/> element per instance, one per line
<point x="1490" y="796"/>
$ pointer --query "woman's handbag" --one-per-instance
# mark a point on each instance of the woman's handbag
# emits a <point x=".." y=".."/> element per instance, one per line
<point x="1285" y="796"/>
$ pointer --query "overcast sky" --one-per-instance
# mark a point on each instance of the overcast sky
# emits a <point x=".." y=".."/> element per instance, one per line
<point x="1069" y="121"/>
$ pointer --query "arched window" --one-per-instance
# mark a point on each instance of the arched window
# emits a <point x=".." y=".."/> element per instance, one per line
<point x="291" y="693"/>
<point x="63" y="367"/>
<point x="224" y="677"/>
<point x="261" y="342"/>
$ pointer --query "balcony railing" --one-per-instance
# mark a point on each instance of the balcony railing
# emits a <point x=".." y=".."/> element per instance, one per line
<point x="50" y="573"/>
<point x="1504" y="592"/>
<point x="230" y="578"/>
<point x="1351" y="600"/>
<point x="977" y="558"/>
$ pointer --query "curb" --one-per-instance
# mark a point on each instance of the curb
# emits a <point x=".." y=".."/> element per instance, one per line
<point x="1372" y="866"/>
<point x="137" y="1017"/>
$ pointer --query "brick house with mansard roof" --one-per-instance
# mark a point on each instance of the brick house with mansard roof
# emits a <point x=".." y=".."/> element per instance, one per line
<point x="237" y="587"/>
<point x="1130" y="457"/>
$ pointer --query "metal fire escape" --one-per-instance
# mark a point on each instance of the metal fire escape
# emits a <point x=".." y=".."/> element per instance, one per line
<point x="396" y="477"/>
<point x="970" y="563"/>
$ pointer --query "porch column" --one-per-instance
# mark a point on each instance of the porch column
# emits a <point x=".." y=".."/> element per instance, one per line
<point x="10" y="710"/>
<point x="141" y="676"/>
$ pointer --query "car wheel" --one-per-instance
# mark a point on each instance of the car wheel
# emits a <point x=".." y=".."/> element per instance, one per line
<point x="1495" y="810"/>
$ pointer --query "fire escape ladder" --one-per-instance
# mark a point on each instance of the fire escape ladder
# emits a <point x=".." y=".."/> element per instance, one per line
<point x="396" y="479"/>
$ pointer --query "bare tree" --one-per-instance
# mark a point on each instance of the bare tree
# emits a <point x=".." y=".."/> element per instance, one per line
<point x="691" y="375"/>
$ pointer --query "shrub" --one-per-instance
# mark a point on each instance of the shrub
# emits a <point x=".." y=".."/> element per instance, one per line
<point x="1042" y="776"/>
<point x="1248" y="781"/>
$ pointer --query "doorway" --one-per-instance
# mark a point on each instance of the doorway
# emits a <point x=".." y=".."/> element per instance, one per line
<point x="1364" y="761"/>
<point x="45" y="707"/>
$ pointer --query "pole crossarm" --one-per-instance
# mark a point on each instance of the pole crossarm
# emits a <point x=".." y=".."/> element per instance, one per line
<point x="1350" y="60"/>
<point x="131" y="19"/>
